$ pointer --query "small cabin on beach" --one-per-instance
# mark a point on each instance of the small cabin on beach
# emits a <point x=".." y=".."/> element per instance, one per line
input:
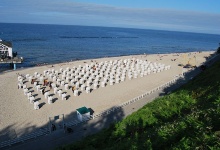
<point x="83" y="113"/>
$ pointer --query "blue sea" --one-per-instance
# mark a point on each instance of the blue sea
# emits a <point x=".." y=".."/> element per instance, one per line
<point x="39" y="44"/>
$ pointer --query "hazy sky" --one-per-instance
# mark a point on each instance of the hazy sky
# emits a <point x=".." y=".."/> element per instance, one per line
<point x="178" y="15"/>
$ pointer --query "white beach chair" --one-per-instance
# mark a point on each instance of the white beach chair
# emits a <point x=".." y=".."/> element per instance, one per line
<point x="19" y="77"/>
<point x="95" y="85"/>
<point x="24" y="86"/>
<point x="50" y="99"/>
<point x="62" y="83"/>
<point x="27" y="75"/>
<point x="41" y="78"/>
<point x="48" y="73"/>
<point x="88" y="83"/>
<point x="38" y="75"/>
<point x="117" y="80"/>
<point x="32" y="99"/>
<point x="25" y="91"/>
<point x="72" y="81"/>
<point x="88" y="90"/>
<point x="66" y="86"/>
<point x="55" y="90"/>
<point x="58" y="81"/>
<point x="38" y="87"/>
<point x="81" y="81"/>
<point x="60" y="92"/>
<point x="77" y="84"/>
<point x="21" y="80"/>
<point x="141" y="74"/>
<point x="103" y="83"/>
<point x="105" y="79"/>
<point x="35" y="74"/>
<point x="130" y="77"/>
<point x="46" y="95"/>
<point x="67" y="79"/>
<point x="54" y="78"/>
<point x="135" y="75"/>
<point x="64" y="96"/>
<point x="72" y="76"/>
<point x="35" y="84"/>
<point x="63" y="77"/>
<point x="56" y="72"/>
<point x="19" y="85"/>
<point x="45" y="71"/>
<point x="53" y="85"/>
<point x="76" y="92"/>
<point x="36" y="105"/>
<point x="82" y="87"/>
<point x="111" y="82"/>
<point x="41" y="90"/>
<point x="29" y="95"/>
<point x="30" y="78"/>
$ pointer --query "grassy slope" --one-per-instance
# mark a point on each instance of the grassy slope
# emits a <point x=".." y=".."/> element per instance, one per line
<point x="189" y="118"/>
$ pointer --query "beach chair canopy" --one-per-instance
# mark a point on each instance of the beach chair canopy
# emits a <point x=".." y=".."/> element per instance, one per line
<point x="83" y="110"/>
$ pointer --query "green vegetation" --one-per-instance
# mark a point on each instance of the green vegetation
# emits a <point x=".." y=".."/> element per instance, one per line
<point x="189" y="118"/>
<point x="218" y="50"/>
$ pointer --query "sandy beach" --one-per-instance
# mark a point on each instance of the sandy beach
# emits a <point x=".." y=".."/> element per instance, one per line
<point x="16" y="112"/>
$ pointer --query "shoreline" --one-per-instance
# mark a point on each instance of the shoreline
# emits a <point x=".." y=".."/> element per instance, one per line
<point x="18" y="114"/>
<point x="71" y="61"/>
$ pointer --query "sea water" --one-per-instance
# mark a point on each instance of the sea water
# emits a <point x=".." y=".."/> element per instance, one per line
<point x="47" y="44"/>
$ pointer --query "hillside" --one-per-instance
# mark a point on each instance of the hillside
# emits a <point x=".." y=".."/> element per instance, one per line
<point x="188" y="118"/>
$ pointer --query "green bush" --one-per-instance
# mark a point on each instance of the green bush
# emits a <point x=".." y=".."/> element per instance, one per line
<point x="218" y="50"/>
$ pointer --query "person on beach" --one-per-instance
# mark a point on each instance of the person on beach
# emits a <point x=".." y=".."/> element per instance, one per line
<point x="43" y="91"/>
<point x="50" y="85"/>
<point x="44" y="82"/>
<point x="32" y="81"/>
<point x="47" y="83"/>
<point x="64" y="127"/>
<point x="73" y="88"/>
<point x="53" y="127"/>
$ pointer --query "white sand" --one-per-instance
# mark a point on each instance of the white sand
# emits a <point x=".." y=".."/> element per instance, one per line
<point x="18" y="114"/>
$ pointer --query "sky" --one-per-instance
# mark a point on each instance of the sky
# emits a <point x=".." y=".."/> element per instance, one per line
<point x="202" y="16"/>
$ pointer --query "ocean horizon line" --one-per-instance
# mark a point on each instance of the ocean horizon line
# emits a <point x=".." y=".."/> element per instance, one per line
<point x="136" y="28"/>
